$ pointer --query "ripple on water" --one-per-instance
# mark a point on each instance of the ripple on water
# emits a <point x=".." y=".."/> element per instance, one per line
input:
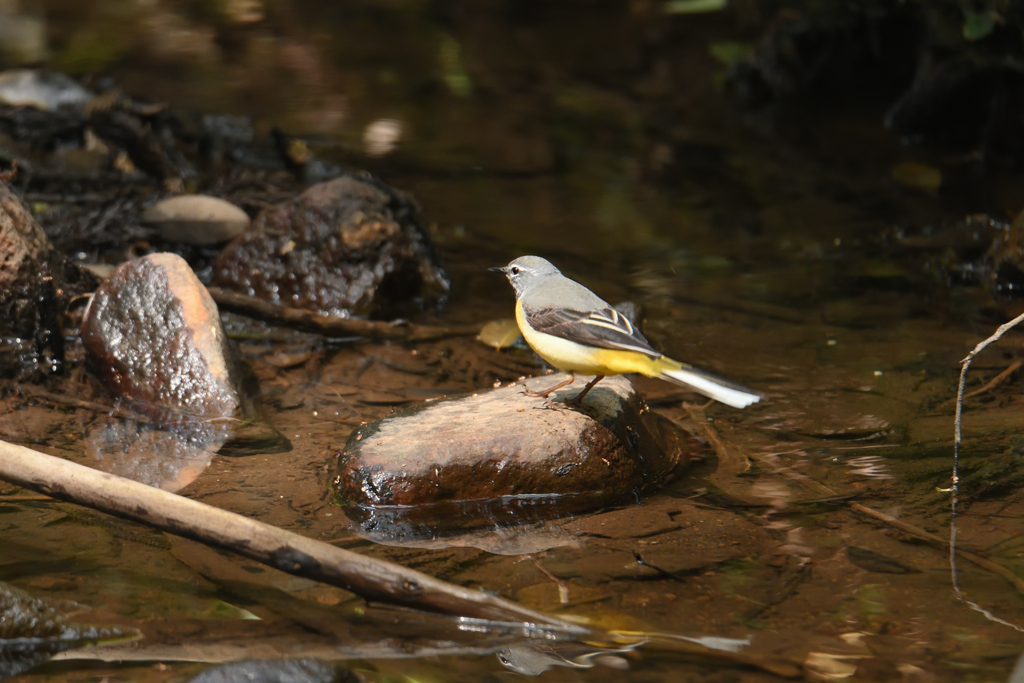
<point x="870" y="466"/>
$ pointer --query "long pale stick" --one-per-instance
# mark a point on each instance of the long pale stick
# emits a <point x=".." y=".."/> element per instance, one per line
<point x="369" y="578"/>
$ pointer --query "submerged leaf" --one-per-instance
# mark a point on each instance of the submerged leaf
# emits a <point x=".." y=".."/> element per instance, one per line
<point x="921" y="176"/>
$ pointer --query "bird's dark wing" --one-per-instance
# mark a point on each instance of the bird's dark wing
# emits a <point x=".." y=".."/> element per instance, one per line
<point x="605" y="328"/>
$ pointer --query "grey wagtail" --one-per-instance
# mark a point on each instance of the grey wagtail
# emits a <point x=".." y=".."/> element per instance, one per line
<point x="575" y="330"/>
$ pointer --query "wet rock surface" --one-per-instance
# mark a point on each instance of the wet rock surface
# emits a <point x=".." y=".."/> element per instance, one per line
<point x="153" y="335"/>
<point x="350" y="246"/>
<point x="504" y="449"/>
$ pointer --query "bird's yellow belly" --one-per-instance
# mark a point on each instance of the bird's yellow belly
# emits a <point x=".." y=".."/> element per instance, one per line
<point x="587" y="360"/>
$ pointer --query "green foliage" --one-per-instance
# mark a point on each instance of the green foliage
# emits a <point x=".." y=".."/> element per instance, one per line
<point x="694" y="6"/>
<point x="977" y="25"/>
<point x="729" y="52"/>
<point x="453" y="70"/>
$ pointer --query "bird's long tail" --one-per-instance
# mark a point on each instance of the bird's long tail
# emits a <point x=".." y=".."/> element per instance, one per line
<point x="705" y="383"/>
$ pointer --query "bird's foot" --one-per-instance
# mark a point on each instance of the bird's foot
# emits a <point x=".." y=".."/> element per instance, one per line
<point x="577" y="400"/>
<point x="548" y="392"/>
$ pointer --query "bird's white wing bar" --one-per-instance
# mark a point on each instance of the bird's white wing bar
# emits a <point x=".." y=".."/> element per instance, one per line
<point x="616" y="320"/>
<point x="604" y="328"/>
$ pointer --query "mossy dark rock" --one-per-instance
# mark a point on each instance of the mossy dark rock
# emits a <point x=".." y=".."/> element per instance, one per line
<point x="506" y="449"/>
<point x="36" y="284"/>
<point x="350" y="246"/>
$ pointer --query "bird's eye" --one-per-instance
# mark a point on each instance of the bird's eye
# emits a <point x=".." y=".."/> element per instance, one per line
<point x="515" y="270"/>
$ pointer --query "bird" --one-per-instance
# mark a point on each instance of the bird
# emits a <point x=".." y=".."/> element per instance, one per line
<point x="575" y="330"/>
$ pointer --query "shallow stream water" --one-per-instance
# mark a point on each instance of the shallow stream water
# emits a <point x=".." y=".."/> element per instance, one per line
<point x="599" y="137"/>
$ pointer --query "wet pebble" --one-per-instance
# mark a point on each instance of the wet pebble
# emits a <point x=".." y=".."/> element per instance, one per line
<point x="508" y="448"/>
<point x="41" y="89"/>
<point x="350" y="246"/>
<point x="197" y="219"/>
<point x="153" y="334"/>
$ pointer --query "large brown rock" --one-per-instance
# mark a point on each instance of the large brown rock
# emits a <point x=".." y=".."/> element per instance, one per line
<point x="503" y="450"/>
<point x="153" y="334"/>
<point x="351" y="246"/>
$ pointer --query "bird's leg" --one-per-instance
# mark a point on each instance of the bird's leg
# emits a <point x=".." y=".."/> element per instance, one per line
<point x="578" y="399"/>
<point x="548" y="392"/>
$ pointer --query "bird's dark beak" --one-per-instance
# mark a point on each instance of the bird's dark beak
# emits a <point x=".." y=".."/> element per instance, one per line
<point x="499" y="269"/>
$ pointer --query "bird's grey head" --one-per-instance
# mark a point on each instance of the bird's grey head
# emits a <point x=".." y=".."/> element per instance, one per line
<point x="526" y="270"/>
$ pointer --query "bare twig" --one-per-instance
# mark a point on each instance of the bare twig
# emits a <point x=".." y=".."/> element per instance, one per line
<point x="729" y="463"/>
<point x="563" y="589"/>
<point x="1001" y="378"/>
<point x="307" y="321"/>
<point x="996" y="381"/>
<point x="955" y="488"/>
<point x="918" y="532"/>
<point x="370" y="578"/>
<point x="724" y="451"/>
<point x="60" y="399"/>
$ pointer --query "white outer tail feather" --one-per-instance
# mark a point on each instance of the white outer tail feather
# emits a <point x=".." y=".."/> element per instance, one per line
<point x="731" y="396"/>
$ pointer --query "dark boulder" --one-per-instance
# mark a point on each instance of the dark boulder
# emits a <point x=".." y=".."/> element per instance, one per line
<point x="153" y="335"/>
<point x="443" y="463"/>
<point x="350" y="246"/>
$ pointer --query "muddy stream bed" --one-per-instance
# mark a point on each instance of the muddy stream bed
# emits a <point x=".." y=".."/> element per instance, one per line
<point x="805" y="252"/>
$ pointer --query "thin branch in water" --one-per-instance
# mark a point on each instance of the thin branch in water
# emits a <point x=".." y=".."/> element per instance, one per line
<point x="937" y="541"/>
<point x="563" y="589"/>
<point x="723" y="447"/>
<point x="308" y="321"/>
<point x="993" y="383"/>
<point x="955" y="488"/>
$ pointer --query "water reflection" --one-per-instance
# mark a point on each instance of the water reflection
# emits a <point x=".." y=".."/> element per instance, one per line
<point x="870" y="466"/>
<point x="533" y="659"/>
<point x="509" y="525"/>
<point x="169" y="457"/>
